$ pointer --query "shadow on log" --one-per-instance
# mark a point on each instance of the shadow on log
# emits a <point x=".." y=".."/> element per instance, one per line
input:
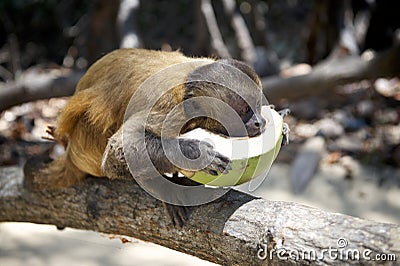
<point x="236" y="229"/>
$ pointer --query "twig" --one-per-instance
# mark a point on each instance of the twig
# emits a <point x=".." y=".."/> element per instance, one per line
<point x="129" y="37"/>
<point x="201" y="46"/>
<point x="245" y="42"/>
<point x="14" y="54"/>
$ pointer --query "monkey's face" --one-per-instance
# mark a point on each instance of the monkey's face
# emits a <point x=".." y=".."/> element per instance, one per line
<point x="225" y="98"/>
<point x="232" y="117"/>
<point x="251" y="117"/>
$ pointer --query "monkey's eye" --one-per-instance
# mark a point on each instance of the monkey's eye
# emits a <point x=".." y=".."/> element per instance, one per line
<point x="246" y="113"/>
<point x="246" y="109"/>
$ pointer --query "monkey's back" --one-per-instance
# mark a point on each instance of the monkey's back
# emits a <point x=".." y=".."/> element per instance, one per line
<point x="97" y="108"/>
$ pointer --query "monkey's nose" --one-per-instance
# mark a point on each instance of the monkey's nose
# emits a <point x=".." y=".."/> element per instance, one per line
<point x="259" y="122"/>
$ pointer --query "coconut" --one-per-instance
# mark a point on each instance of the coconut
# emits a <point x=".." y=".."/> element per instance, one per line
<point x="250" y="156"/>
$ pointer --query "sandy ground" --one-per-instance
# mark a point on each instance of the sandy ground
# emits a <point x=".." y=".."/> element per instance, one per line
<point x="29" y="244"/>
<point x="37" y="245"/>
<point x="330" y="190"/>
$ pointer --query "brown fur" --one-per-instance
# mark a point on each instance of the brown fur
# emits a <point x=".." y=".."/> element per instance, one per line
<point x="90" y="126"/>
<point x="96" y="111"/>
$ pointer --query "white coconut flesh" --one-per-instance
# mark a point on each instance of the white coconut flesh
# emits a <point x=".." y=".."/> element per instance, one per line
<point x="250" y="156"/>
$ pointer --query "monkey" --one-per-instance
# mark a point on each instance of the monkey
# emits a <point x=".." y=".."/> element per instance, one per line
<point x="91" y="125"/>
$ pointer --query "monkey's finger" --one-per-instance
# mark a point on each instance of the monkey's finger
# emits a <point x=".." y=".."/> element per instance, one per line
<point x="210" y="171"/>
<point x="223" y="158"/>
<point x="216" y="167"/>
<point x="226" y="169"/>
<point x="284" y="112"/>
<point x="169" y="212"/>
<point x="226" y="164"/>
<point x="222" y="169"/>
<point x="178" y="219"/>
<point x="219" y="161"/>
<point x="219" y="165"/>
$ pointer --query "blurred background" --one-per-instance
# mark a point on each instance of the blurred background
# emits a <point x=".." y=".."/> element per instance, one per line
<point x="335" y="64"/>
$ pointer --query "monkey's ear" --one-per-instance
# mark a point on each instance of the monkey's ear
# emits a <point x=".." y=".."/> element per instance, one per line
<point x="242" y="67"/>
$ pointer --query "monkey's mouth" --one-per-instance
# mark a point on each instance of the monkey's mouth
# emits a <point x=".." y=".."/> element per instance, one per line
<point x="255" y="134"/>
<point x="248" y="134"/>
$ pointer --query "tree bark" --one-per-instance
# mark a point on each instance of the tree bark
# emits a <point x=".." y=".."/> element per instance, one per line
<point x="231" y="230"/>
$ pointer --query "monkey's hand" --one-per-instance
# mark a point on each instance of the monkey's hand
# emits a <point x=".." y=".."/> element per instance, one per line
<point x="193" y="149"/>
<point x="200" y="156"/>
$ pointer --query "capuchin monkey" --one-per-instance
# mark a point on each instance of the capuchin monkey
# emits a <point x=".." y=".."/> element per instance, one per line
<point x="90" y="126"/>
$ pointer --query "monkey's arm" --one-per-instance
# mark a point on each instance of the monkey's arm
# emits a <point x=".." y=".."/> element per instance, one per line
<point x="142" y="150"/>
<point x="148" y="155"/>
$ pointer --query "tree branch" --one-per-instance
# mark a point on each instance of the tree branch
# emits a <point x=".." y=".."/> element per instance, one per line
<point x="129" y="36"/>
<point x="217" y="41"/>
<point x="228" y="231"/>
<point x="333" y="72"/>
<point x="242" y="34"/>
<point x="36" y="86"/>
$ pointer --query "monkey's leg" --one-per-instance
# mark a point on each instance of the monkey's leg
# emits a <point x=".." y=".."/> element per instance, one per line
<point x="113" y="164"/>
<point x="179" y="214"/>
